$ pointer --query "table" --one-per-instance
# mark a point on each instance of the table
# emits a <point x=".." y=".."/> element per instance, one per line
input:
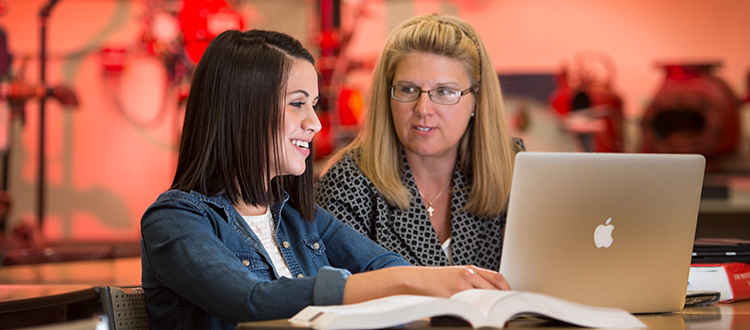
<point x="57" y="292"/>
<point x="37" y="304"/>
<point x="76" y="282"/>
<point x="722" y="316"/>
<point x="117" y="272"/>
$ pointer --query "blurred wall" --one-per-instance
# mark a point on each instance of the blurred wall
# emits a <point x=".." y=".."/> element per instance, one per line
<point x="109" y="159"/>
<point x="539" y="36"/>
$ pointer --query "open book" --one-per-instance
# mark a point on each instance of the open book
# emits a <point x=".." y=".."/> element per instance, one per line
<point x="480" y="308"/>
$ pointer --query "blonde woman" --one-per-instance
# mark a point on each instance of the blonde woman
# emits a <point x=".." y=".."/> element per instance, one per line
<point x="429" y="174"/>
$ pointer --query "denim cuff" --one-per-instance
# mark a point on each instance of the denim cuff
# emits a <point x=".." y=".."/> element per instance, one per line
<point x="329" y="286"/>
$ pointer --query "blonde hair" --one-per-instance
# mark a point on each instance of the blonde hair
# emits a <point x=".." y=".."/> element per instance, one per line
<point x="486" y="151"/>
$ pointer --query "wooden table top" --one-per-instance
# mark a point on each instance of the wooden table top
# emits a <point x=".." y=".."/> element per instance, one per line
<point x="107" y="272"/>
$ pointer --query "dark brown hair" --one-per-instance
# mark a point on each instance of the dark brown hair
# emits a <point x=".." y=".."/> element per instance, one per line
<point x="233" y="120"/>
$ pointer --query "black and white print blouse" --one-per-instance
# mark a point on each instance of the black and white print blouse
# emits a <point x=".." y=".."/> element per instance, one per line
<point x="352" y="198"/>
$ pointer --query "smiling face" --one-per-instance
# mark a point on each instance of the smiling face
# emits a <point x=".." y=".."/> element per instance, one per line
<point x="300" y="120"/>
<point x="425" y="128"/>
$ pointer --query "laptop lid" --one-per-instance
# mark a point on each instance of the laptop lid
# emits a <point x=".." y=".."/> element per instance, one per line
<point x="564" y="207"/>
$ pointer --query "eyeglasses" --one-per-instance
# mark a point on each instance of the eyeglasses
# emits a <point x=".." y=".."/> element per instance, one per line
<point x="442" y="95"/>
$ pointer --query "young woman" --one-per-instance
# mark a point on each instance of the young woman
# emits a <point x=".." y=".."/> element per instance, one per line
<point x="238" y="237"/>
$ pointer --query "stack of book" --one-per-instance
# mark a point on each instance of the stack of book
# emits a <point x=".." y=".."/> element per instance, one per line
<point x="721" y="265"/>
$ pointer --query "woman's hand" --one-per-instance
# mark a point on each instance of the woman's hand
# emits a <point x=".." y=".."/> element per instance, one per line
<point x="427" y="281"/>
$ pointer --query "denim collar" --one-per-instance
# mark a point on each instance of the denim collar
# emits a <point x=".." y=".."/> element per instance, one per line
<point x="223" y="202"/>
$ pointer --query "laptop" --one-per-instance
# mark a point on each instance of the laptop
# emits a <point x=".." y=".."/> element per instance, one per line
<point x="603" y="229"/>
<point x="720" y="250"/>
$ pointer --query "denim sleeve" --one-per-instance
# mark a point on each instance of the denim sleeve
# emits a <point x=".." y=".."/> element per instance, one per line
<point x="184" y="253"/>
<point x="351" y="250"/>
<point x="329" y="286"/>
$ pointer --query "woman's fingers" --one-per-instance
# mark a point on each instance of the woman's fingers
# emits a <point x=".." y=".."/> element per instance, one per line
<point x="429" y="281"/>
<point x="489" y="279"/>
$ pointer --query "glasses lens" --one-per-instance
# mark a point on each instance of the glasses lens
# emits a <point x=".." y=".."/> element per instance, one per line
<point x="404" y="93"/>
<point x="445" y="96"/>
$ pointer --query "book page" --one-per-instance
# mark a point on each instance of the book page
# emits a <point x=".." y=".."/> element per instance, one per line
<point x="483" y="300"/>
<point x="382" y="313"/>
<point x="481" y="308"/>
<point x="710" y="278"/>
<point x="501" y="306"/>
<point x="384" y="305"/>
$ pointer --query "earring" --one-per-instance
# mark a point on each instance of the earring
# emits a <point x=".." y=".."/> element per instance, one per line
<point x="472" y="114"/>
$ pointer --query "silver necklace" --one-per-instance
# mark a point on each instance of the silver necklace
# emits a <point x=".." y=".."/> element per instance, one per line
<point x="430" y="209"/>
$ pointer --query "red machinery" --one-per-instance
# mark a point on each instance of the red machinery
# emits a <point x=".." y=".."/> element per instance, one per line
<point x="588" y="89"/>
<point x="692" y="112"/>
<point x="202" y="20"/>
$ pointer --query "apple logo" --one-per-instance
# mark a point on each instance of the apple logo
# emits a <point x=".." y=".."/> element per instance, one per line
<point x="603" y="234"/>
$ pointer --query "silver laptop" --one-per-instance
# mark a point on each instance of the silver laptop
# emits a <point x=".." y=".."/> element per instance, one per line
<point x="612" y="230"/>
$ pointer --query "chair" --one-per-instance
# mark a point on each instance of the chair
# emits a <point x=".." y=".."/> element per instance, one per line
<point x="125" y="307"/>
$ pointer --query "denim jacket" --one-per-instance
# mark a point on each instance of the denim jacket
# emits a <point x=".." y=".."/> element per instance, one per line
<point x="203" y="268"/>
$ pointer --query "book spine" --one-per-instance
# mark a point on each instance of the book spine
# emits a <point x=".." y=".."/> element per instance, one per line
<point x="739" y="280"/>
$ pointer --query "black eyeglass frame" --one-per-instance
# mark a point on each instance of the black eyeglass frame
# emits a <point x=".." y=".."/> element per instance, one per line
<point x="429" y="94"/>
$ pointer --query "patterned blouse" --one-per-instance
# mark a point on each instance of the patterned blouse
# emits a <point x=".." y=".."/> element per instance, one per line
<point x="352" y="198"/>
